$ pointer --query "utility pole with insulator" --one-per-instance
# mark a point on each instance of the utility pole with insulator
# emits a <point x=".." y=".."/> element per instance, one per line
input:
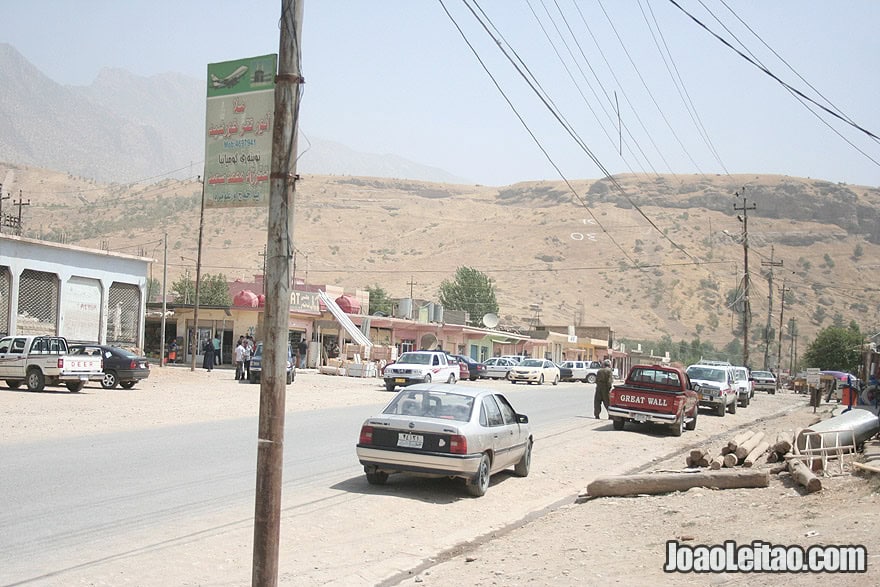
<point x="747" y="308"/>
<point x="279" y="251"/>
<point x="20" y="202"/>
<point x="782" y="291"/>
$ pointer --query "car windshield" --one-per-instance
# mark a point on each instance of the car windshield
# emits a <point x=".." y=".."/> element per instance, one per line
<point x="765" y="374"/>
<point x="707" y="374"/>
<point x="431" y="404"/>
<point x="415" y="359"/>
<point x="532" y="363"/>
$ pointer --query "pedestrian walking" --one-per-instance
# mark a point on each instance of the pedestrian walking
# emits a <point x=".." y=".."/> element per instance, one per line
<point x="604" y="382"/>
<point x="208" y="349"/>
<point x="302" y="349"/>
<point x="239" y="359"/>
<point x="249" y="348"/>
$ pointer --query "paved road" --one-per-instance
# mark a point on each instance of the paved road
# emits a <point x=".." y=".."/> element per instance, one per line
<point x="174" y="505"/>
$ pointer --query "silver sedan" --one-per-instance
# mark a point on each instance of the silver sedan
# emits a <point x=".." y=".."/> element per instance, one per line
<point x="442" y="430"/>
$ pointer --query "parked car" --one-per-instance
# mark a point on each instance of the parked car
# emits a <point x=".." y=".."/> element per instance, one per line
<point x="257" y="365"/>
<point x="655" y="394"/>
<point x="763" y="381"/>
<point x="535" y="371"/>
<point x="515" y="358"/>
<point x="716" y="390"/>
<point x="565" y="373"/>
<point x="475" y="368"/>
<point x="441" y="430"/>
<point x="464" y="372"/>
<point x="498" y="367"/>
<point x="421" y="367"/>
<point x="582" y="370"/>
<point x="38" y="361"/>
<point x="121" y="367"/>
<point x="743" y="386"/>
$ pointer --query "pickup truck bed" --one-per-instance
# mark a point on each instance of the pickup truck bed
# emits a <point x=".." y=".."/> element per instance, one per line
<point x="655" y="394"/>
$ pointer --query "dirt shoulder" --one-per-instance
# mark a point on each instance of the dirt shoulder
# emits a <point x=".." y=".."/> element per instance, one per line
<point x="623" y="540"/>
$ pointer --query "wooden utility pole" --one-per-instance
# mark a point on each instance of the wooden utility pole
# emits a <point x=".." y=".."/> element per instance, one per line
<point x="782" y="291"/>
<point x="747" y="308"/>
<point x="771" y="263"/>
<point x="20" y="202"/>
<point x="195" y="338"/>
<point x="2" y="219"/>
<point x="164" y="300"/>
<point x="279" y="250"/>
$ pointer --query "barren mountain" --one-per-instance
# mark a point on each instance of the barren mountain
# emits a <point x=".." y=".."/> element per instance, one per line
<point x="663" y="257"/>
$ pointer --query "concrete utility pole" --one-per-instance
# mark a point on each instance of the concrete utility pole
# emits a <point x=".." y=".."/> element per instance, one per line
<point x="279" y="250"/>
<point x="747" y="308"/>
<point x="771" y="263"/>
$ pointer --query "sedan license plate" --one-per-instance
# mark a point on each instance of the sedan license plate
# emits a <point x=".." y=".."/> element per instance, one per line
<point x="406" y="440"/>
<point x="641" y="418"/>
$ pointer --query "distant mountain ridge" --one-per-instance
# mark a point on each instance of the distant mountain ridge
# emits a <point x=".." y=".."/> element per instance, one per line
<point x="124" y="128"/>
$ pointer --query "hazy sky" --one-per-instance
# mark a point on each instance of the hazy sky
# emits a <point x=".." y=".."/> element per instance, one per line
<point x="397" y="77"/>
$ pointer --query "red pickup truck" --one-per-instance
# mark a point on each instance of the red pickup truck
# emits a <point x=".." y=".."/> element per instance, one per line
<point x="655" y="394"/>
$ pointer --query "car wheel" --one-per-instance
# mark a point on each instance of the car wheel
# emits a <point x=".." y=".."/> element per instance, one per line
<point x="556" y="380"/>
<point x="719" y="410"/>
<point x="389" y="386"/>
<point x="428" y="378"/>
<point x="480" y="483"/>
<point x="591" y="378"/>
<point x="127" y="384"/>
<point x="35" y="380"/>
<point x="13" y="384"/>
<point x="451" y="378"/>
<point x="75" y="386"/>
<point x="745" y="402"/>
<point x="474" y="378"/>
<point x="254" y="379"/>
<point x="377" y="478"/>
<point x="290" y="377"/>
<point x="731" y="407"/>
<point x="525" y="463"/>
<point x="617" y="423"/>
<point x="541" y="379"/>
<point x="692" y="424"/>
<point x="676" y="428"/>
<point x="507" y="375"/>
<point x="109" y="380"/>
<point x="512" y="381"/>
<point x="772" y="392"/>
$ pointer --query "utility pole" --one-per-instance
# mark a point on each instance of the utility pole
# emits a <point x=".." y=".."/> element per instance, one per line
<point x="791" y="334"/>
<point x="2" y="218"/>
<point x="782" y="291"/>
<point x="20" y="202"/>
<point x="771" y="263"/>
<point x="164" y="301"/>
<point x="747" y="308"/>
<point x="263" y="255"/>
<point x="279" y="250"/>
<point x="195" y="338"/>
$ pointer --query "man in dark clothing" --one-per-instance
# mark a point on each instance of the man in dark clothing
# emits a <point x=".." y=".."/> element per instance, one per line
<point x="302" y="348"/>
<point x="604" y="382"/>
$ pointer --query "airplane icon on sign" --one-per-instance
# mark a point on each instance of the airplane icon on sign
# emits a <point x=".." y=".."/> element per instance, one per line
<point x="230" y="80"/>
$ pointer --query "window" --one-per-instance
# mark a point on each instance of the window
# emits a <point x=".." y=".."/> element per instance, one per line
<point x="490" y="414"/>
<point x="4" y="346"/>
<point x="506" y="410"/>
<point x="18" y="345"/>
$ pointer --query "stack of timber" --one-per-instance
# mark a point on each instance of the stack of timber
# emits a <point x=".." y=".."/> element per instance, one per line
<point x="871" y="454"/>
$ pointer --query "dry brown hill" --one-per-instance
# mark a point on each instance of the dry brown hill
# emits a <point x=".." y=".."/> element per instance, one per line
<point x="664" y="259"/>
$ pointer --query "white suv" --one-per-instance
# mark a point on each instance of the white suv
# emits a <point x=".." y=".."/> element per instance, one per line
<point x="743" y="386"/>
<point x="421" y="367"/>
<point x="716" y="385"/>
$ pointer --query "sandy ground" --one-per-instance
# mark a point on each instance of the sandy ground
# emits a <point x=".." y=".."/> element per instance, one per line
<point x="606" y="540"/>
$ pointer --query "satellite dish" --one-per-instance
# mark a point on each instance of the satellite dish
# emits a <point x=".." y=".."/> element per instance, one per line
<point x="428" y="341"/>
<point x="490" y="320"/>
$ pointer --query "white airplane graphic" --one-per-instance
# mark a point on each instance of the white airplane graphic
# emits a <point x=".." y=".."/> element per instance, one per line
<point x="230" y="80"/>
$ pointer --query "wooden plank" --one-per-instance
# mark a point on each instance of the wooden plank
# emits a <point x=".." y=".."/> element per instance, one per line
<point x="668" y="482"/>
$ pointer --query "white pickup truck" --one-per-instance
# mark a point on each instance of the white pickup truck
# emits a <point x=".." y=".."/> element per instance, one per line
<point x="38" y="361"/>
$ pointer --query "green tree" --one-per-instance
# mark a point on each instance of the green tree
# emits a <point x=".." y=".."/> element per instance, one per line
<point x="470" y="290"/>
<point x="836" y="349"/>
<point x="213" y="291"/>
<point x="154" y="289"/>
<point x="379" y="300"/>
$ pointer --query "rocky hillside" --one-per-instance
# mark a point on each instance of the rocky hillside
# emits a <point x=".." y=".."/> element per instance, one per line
<point x="664" y="257"/>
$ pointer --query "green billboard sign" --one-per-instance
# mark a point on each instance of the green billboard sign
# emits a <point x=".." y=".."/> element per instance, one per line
<point x="238" y="132"/>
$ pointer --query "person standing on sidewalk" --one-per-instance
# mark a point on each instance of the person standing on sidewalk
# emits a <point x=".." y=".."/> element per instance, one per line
<point x="217" y="349"/>
<point x="302" y="349"/>
<point x="208" y="349"/>
<point x="239" y="359"/>
<point x="604" y="382"/>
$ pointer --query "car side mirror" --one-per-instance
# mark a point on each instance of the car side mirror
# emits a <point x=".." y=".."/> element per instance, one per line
<point x="522" y="419"/>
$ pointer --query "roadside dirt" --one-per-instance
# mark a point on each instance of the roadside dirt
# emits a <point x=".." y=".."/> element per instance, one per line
<point x="608" y="540"/>
<point x="623" y="540"/>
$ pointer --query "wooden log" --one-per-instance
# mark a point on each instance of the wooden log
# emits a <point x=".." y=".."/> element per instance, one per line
<point x="743" y="450"/>
<point x="703" y="462"/>
<point x="698" y="453"/>
<point x="773" y="457"/>
<point x="865" y="467"/>
<point x="738" y="440"/>
<point x="730" y="460"/>
<point x="779" y="468"/>
<point x="726" y="450"/>
<point x="668" y="482"/>
<point x="756" y="454"/>
<point x="804" y="476"/>
<point x="794" y="442"/>
<point x="688" y="462"/>
<point x="782" y="445"/>
<point x="717" y="463"/>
